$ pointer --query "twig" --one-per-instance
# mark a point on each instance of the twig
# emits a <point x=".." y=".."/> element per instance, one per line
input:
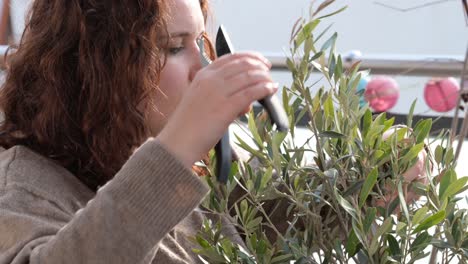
<point x="414" y="7"/>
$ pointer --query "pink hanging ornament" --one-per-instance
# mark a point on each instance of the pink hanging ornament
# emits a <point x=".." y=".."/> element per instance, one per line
<point x="441" y="94"/>
<point x="382" y="93"/>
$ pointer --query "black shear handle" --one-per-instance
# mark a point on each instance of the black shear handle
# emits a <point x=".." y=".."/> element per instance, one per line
<point x="223" y="158"/>
<point x="276" y="112"/>
<point x="271" y="104"/>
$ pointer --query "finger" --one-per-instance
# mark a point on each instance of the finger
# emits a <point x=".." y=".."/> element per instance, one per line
<point x="245" y="97"/>
<point x="219" y="62"/>
<point x="240" y="66"/>
<point x="246" y="79"/>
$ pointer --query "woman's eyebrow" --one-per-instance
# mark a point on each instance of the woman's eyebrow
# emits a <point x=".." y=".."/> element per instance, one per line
<point x="179" y="34"/>
<point x="185" y="34"/>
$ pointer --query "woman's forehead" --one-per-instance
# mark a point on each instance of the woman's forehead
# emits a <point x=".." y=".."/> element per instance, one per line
<point x="185" y="17"/>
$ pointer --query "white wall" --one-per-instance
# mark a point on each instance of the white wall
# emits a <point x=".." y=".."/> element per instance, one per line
<point x="18" y="12"/>
<point x="266" y="24"/>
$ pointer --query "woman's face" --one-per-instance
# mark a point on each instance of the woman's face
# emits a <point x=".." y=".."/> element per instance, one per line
<point x="185" y="26"/>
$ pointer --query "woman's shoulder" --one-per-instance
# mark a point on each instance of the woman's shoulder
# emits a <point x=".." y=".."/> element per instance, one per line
<point x="23" y="169"/>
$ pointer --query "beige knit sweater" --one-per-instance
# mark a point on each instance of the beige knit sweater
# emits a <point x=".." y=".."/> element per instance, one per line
<point x="144" y="215"/>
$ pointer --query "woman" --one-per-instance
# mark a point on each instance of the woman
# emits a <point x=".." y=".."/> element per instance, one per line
<point x="106" y="108"/>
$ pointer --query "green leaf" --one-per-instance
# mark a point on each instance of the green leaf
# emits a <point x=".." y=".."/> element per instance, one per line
<point x="401" y="228"/>
<point x="430" y="221"/>
<point x="258" y="181"/>
<point x="419" y="215"/>
<point x="266" y="177"/>
<point x="370" y="218"/>
<point x="412" y="153"/>
<point x="333" y="13"/>
<point x="421" y="242"/>
<point x="298" y="25"/>
<point x="253" y="129"/>
<point x="331" y="66"/>
<point x="382" y="230"/>
<point x="346" y="205"/>
<point x="306" y="32"/>
<point x="449" y="156"/>
<point x="331" y="134"/>
<point x="440" y="244"/>
<point x="385" y="227"/>
<point x="448" y="178"/>
<point x="455" y="187"/>
<point x="328" y="108"/>
<point x="422" y="130"/>
<point x="203" y="242"/>
<point x="366" y="123"/>
<point x="388" y="123"/>
<point x="409" y="119"/>
<point x="354" y="188"/>
<point x="308" y="47"/>
<point x="251" y="150"/>
<point x="261" y="247"/>
<point x="352" y="244"/>
<point x="277" y="139"/>
<point x="321" y="34"/>
<point x="254" y="224"/>
<point x="338" y="69"/>
<point x="286" y="99"/>
<point x="367" y="187"/>
<point x="322" y="6"/>
<point x="394" y="247"/>
<point x="439" y="153"/>
<point x="331" y="41"/>
<point x="359" y="232"/>
<point x="291" y="65"/>
<point x="402" y="200"/>
<point x="282" y="259"/>
<point x="316" y="56"/>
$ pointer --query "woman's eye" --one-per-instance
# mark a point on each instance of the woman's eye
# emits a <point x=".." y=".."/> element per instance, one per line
<point x="175" y="50"/>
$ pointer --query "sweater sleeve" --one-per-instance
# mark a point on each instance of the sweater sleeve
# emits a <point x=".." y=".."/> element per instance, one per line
<point x="124" y="222"/>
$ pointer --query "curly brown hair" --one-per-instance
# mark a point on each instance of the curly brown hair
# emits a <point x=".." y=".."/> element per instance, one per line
<point x="76" y="83"/>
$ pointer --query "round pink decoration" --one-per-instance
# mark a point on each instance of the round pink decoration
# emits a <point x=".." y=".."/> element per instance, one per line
<point x="382" y="93"/>
<point x="441" y="95"/>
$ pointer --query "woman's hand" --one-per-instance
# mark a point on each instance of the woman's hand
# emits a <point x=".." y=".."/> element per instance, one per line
<point x="415" y="174"/>
<point x="218" y="94"/>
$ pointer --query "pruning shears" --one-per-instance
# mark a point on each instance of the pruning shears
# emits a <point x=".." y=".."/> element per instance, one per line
<point x="271" y="104"/>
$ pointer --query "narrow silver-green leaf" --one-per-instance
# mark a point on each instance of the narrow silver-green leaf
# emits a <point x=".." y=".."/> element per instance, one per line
<point x="333" y="13"/>
<point x="329" y="42"/>
<point x="455" y="187"/>
<point x="346" y="206"/>
<point x="367" y="187"/>
<point x="409" y="119"/>
<point x="448" y="178"/>
<point x="419" y="215"/>
<point x="253" y="129"/>
<point x="331" y="134"/>
<point x="402" y="200"/>
<point x="422" y="130"/>
<point x="412" y="153"/>
<point x="430" y="221"/>
<point x="438" y="154"/>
